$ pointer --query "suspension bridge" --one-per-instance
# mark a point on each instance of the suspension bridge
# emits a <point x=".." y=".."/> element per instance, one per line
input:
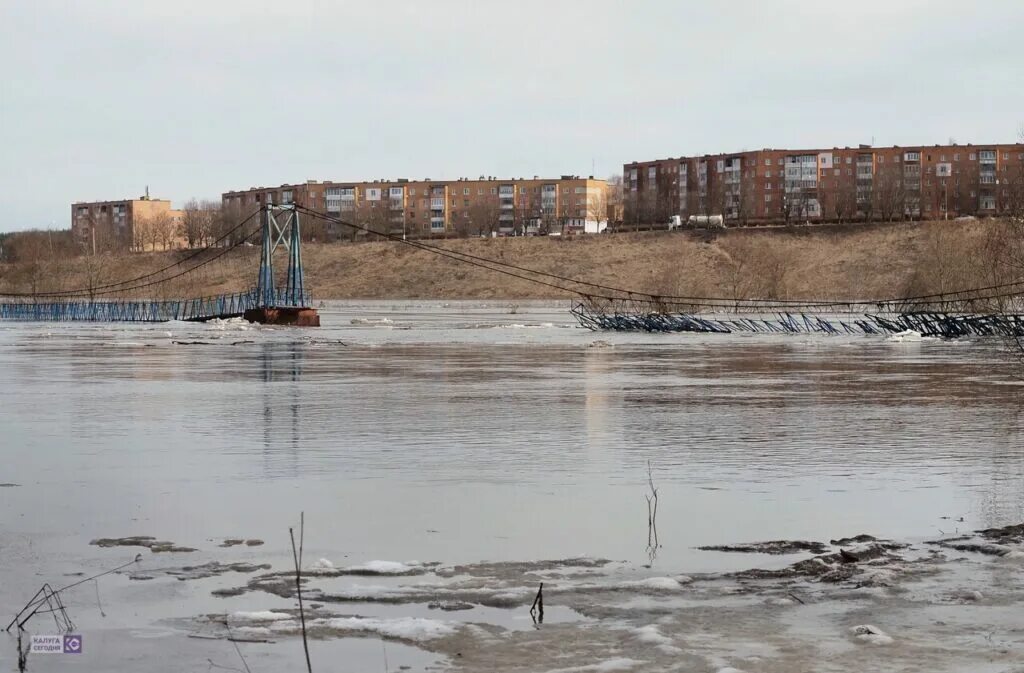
<point x="265" y="302"/>
<point x="993" y="311"/>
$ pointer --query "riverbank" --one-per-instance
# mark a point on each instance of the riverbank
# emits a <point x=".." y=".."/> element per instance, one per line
<point x="836" y="261"/>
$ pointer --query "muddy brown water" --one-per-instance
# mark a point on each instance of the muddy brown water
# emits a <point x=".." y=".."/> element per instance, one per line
<point x="462" y="432"/>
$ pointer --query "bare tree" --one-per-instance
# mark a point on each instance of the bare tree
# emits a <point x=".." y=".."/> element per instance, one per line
<point x="1013" y="200"/>
<point x="158" y="230"/>
<point x="615" y="197"/>
<point x="484" y="212"/>
<point x="841" y="200"/>
<point x="140" y="234"/>
<point x="193" y="223"/>
<point x="198" y="222"/>
<point x="373" y="215"/>
<point x="890" y="196"/>
<point x="598" y="209"/>
<point x="631" y="209"/>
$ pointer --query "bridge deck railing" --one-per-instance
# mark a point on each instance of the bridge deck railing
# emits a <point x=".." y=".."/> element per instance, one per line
<point x="141" y="310"/>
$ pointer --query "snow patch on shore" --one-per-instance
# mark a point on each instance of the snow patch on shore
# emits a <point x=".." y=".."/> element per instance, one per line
<point x="259" y="616"/>
<point x="405" y="628"/>
<point x="386" y="567"/>
<point x="657" y="583"/>
<point x="652" y="635"/>
<point x="621" y="664"/>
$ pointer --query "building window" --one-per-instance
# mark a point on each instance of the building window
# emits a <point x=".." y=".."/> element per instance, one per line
<point x="768" y="185"/>
<point x="767" y="174"/>
<point x="767" y="198"/>
<point x="465" y="191"/>
<point x="767" y="162"/>
<point x="412" y="191"/>
<point x="972" y="156"/>
<point x="480" y="191"/>
<point x="494" y="190"/>
<point x="881" y="159"/>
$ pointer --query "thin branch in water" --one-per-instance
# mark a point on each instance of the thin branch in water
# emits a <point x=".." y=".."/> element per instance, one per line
<point x="652" y="516"/>
<point x="238" y="650"/>
<point x="297" y="557"/>
<point x="537" y="609"/>
<point x="99" y="604"/>
<point x="219" y="667"/>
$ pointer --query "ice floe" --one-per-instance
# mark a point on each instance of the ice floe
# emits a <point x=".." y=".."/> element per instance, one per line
<point x="871" y="634"/>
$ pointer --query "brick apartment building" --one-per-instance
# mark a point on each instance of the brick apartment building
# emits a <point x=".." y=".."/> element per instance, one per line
<point x="127" y="224"/>
<point x="425" y="208"/>
<point x="838" y="184"/>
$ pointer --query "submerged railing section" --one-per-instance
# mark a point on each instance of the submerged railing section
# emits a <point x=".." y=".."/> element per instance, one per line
<point x="136" y="310"/>
<point x="945" y="325"/>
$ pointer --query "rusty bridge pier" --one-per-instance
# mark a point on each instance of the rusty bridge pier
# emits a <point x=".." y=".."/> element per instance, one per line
<point x="289" y="305"/>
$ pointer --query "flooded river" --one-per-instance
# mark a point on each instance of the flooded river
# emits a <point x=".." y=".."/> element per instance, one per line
<point x="462" y="434"/>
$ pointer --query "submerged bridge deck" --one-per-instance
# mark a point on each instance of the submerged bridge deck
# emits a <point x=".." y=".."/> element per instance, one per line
<point x="139" y="310"/>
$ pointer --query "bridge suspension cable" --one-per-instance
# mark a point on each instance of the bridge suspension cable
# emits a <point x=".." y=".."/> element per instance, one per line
<point x="625" y="294"/>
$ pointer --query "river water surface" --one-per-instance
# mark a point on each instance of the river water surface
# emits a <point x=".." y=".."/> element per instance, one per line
<point x="459" y="433"/>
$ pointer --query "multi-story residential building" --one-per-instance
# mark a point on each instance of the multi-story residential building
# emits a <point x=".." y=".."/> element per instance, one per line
<point x="127" y="224"/>
<point x="423" y="208"/>
<point x="838" y="184"/>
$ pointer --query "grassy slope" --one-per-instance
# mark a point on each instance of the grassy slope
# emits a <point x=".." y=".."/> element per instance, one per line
<point x="859" y="261"/>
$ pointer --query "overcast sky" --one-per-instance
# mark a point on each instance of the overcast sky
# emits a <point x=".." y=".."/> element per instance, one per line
<point x="99" y="99"/>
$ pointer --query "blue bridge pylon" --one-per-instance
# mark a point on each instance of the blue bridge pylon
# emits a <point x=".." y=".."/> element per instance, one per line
<point x="281" y="227"/>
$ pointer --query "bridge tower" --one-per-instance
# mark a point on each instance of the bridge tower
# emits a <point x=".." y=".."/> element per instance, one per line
<point x="289" y="305"/>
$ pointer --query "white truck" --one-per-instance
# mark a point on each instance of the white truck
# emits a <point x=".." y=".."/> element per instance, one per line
<point x="706" y="221"/>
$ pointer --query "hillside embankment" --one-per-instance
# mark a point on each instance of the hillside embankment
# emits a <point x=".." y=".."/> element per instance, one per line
<point x="829" y="261"/>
